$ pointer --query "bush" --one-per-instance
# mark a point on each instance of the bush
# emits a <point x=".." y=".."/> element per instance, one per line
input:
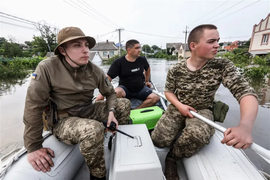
<point x="17" y="67"/>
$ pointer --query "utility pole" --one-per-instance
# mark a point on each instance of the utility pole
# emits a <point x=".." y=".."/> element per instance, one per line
<point x="119" y="48"/>
<point x="185" y="42"/>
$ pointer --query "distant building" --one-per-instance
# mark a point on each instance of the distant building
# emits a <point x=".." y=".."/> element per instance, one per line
<point x="184" y="51"/>
<point x="260" y="43"/>
<point x="106" y="49"/>
<point x="232" y="46"/>
<point x="226" y="44"/>
<point x="173" y="47"/>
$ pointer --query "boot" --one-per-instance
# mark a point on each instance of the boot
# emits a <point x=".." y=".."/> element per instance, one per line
<point x="171" y="169"/>
<point x="96" y="178"/>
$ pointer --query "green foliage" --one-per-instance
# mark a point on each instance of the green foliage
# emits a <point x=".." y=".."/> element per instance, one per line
<point x="171" y="57"/>
<point x="17" y="67"/>
<point x="110" y="60"/>
<point x="27" y="53"/>
<point x="40" y="46"/>
<point x="256" y="72"/>
<point x="146" y="48"/>
<point x="11" y="49"/>
<point x="259" y="60"/>
<point x="238" y="57"/>
<point x="2" y="40"/>
<point x="155" y="47"/>
<point x="238" y="51"/>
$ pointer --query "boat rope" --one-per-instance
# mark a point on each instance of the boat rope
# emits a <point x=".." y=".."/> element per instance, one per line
<point x="11" y="161"/>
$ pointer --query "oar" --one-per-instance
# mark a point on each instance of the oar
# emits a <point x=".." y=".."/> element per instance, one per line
<point x="264" y="153"/>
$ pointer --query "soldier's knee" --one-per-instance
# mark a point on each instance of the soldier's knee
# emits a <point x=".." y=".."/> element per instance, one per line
<point x="94" y="130"/>
<point x="124" y="102"/>
<point x="157" y="141"/>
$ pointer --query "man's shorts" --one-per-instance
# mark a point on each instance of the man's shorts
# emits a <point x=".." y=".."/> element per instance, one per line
<point x="142" y="94"/>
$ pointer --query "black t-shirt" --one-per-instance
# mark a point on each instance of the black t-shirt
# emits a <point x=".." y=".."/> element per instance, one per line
<point x="130" y="73"/>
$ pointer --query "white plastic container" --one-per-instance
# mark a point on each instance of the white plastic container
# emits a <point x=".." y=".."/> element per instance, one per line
<point x="136" y="158"/>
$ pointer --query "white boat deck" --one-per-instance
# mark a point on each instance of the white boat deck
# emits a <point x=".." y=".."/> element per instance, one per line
<point x="213" y="162"/>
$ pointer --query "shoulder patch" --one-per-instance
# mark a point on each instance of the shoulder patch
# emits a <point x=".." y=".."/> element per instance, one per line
<point x="107" y="81"/>
<point x="34" y="76"/>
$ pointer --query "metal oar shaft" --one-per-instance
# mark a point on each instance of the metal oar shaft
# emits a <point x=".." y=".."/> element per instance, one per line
<point x="124" y="133"/>
<point x="264" y="153"/>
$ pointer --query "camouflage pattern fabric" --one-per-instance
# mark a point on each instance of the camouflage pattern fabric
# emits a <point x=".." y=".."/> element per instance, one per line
<point x="197" y="88"/>
<point x="89" y="133"/>
<point x="184" y="135"/>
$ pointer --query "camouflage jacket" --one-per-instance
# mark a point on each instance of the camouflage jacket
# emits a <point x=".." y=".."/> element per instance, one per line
<point x="197" y="88"/>
<point x="67" y="87"/>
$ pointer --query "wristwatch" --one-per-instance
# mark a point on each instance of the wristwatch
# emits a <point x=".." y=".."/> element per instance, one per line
<point x="112" y="109"/>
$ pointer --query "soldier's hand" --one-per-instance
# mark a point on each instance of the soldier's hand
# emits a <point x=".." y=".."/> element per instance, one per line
<point x="185" y="110"/>
<point x="111" y="118"/>
<point x="239" y="137"/>
<point x="99" y="97"/>
<point x="41" y="159"/>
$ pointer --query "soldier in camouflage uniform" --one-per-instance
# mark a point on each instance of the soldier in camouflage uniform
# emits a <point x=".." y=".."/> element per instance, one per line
<point x="191" y="85"/>
<point x="69" y="80"/>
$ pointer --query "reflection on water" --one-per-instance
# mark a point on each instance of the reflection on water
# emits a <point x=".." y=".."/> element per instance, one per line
<point x="8" y="86"/>
<point x="13" y="92"/>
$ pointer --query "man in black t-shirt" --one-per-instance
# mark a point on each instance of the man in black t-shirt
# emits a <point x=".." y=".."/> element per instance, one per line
<point x="134" y="76"/>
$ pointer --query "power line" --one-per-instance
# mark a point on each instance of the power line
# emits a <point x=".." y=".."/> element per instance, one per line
<point x="237" y="11"/>
<point x="16" y="25"/>
<point x="104" y="17"/>
<point x="105" y="34"/>
<point x="127" y="35"/>
<point x="224" y="10"/>
<point x="19" y="18"/>
<point x="89" y="14"/>
<point x="209" y="12"/>
<point x="155" y="35"/>
<point x="16" y="20"/>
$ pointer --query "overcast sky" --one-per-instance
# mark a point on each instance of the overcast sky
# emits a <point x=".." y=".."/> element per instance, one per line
<point x="153" y="22"/>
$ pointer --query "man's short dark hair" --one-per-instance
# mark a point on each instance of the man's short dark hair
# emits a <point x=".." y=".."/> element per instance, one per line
<point x="196" y="33"/>
<point x="131" y="43"/>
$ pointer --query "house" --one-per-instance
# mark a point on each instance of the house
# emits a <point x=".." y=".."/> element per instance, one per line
<point x="106" y="49"/>
<point x="224" y="44"/>
<point x="232" y="46"/>
<point x="260" y="43"/>
<point x="173" y="47"/>
<point x="184" y="51"/>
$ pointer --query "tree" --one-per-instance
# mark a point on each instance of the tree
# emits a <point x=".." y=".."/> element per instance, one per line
<point x="155" y="47"/>
<point x="221" y="44"/>
<point x="146" y="48"/>
<point x="11" y="49"/>
<point x="2" y="40"/>
<point x="47" y="41"/>
<point x="40" y="46"/>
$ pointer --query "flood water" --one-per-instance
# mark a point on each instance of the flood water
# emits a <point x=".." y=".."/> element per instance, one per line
<point x="12" y="106"/>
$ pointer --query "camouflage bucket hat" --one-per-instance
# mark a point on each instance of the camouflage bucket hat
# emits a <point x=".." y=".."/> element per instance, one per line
<point x="71" y="33"/>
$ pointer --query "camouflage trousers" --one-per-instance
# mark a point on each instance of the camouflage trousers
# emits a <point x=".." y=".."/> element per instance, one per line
<point x="184" y="135"/>
<point x="89" y="133"/>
